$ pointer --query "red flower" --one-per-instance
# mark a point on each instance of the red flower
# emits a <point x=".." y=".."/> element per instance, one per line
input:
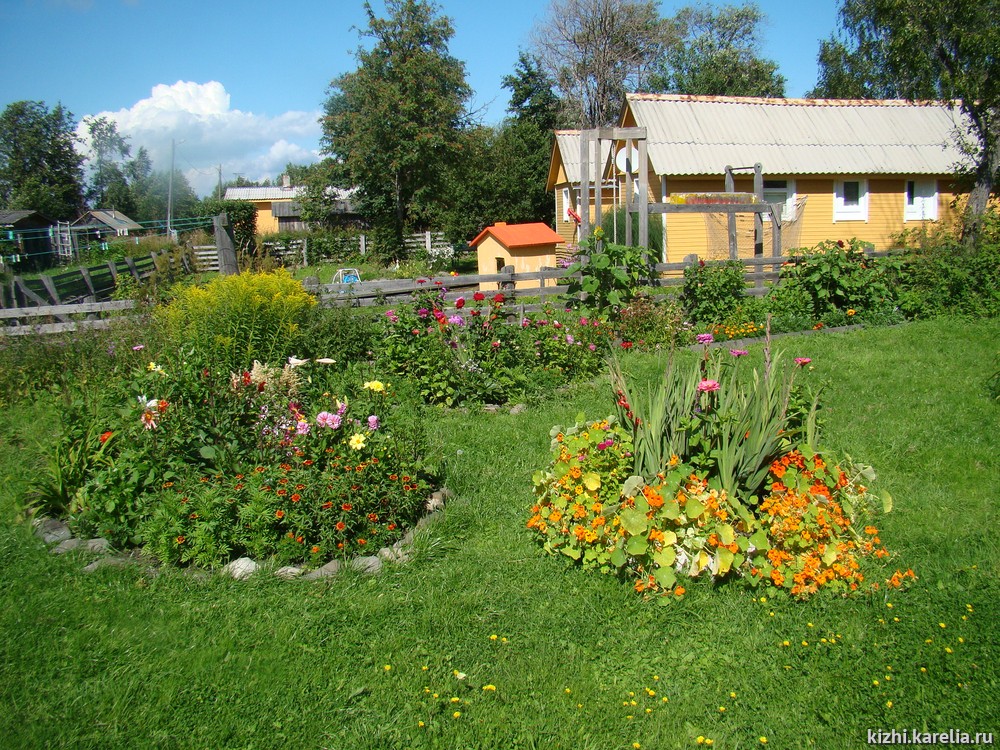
<point x="498" y="298"/>
<point x="460" y="303"/>
<point x="373" y="517"/>
<point x="279" y="514"/>
<point x="106" y="436"/>
<point x="340" y="526"/>
<point x="346" y="507"/>
<point x="296" y="497"/>
<point x="478" y="296"/>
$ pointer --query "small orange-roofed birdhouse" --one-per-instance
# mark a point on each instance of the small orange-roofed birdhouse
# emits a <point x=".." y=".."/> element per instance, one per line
<point x="525" y="247"/>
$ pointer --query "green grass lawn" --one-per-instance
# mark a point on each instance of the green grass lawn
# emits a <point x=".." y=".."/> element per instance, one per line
<point x="124" y="659"/>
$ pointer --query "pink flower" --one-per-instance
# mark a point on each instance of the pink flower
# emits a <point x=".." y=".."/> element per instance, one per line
<point x="138" y="347"/>
<point x="739" y="352"/>
<point x="373" y="423"/>
<point x="704" y="338"/>
<point x="391" y="315"/>
<point x="707" y="386"/>
<point x="592" y="347"/>
<point x="496" y="344"/>
<point x="802" y="361"/>
<point x="328" y="420"/>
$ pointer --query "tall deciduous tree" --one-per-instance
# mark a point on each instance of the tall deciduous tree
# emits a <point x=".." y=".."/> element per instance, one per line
<point x="108" y="185"/>
<point x="392" y="123"/>
<point x="717" y="53"/>
<point x="922" y="49"/>
<point x="596" y="51"/>
<point x="39" y="166"/>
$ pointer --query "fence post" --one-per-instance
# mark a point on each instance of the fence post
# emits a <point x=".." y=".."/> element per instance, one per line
<point x="225" y="245"/>
<point x="507" y="285"/>
<point x="363" y="245"/>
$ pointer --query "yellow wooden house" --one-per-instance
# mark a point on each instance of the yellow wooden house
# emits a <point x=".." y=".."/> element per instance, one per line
<point x="839" y="169"/>
<point x="564" y="182"/>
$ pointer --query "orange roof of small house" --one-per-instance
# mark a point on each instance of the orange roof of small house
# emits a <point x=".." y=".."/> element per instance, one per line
<point x="519" y="235"/>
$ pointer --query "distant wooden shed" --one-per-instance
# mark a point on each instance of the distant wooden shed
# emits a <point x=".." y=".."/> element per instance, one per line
<point x="525" y="247"/>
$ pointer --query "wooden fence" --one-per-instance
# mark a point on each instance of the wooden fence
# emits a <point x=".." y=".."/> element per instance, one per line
<point x="523" y="293"/>
<point x="91" y="284"/>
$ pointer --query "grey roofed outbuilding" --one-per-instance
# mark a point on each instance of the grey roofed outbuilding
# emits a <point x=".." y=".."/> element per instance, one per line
<point x="277" y="193"/>
<point x="115" y="220"/>
<point x="699" y="135"/>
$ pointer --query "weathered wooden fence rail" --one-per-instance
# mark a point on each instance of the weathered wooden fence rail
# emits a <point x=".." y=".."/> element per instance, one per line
<point x="40" y="319"/>
<point x="91" y="284"/>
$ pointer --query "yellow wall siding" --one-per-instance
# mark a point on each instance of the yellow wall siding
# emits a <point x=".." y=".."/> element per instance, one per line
<point x="267" y="223"/>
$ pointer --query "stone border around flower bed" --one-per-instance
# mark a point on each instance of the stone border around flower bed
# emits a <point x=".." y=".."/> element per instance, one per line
<point x="57" y="536"/>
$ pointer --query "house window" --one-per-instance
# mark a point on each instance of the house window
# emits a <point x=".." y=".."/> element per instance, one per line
<point x="567" y="195"/>
<point x="850" y="200"/>
<point x="783" y="192"/>
<point x="921" y="200"/>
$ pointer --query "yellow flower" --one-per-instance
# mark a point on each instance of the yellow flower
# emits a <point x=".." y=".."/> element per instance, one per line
<point x="456" y="714"/>
<point x="357" y="441"/>
<point x="387" y="667"/>
<point x="420" y="724"/>
<point x="490" y="688"/>
<point x="455" y="700"/>
<point x="888" y="704"/>
<point x="700" y="740"/>
<point x="763" y="740"/>
<point x="493" y="637"/>
<point x="375" y="385"/>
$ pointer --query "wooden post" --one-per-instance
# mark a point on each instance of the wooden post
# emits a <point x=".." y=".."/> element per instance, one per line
<point x="734" y="251"/>
<point x="584" y="202"/>
<point x="643" y="194"/>
<point x="225" y="245"/>
<point x="758" y="219"/>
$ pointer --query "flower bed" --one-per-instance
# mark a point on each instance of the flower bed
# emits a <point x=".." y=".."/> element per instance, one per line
<point x="716" y="478"/>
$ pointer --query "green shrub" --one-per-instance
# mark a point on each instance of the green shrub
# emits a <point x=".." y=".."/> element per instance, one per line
<point x="607" y="280"/>
<point x="713" y="290"/>
<point x="841" y="276"/>
<point x="233" y="320"/>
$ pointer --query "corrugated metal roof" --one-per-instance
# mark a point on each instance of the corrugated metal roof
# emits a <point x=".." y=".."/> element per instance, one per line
<point x="263" y="193"/>
<point x="110" y="218"/>
<point x="690" y="135"/>
<point x="568" y="143"/>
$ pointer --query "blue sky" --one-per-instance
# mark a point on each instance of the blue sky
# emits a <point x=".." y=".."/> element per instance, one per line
<point x="241" y="85"/>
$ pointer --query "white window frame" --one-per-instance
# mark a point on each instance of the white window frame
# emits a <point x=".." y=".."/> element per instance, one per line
<point x="567" y="195"/>
<point x="788" y="204"/>
<point x="920" y="200"/>
<point x="843" y="211"/>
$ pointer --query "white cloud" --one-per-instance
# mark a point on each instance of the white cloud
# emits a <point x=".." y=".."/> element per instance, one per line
<point x="207" y="133"/>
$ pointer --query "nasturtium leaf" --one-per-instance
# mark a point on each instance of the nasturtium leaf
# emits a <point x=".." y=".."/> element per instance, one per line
<point x="726" y="534"/>
<point x="669" y="538"/>
<point x="724" y="560"/>
<point x="592" y="480"/>
<point x="665" y="577"/>
<point x="830" y="556"/>
<point x="665" y="557"/>
<point x="632" y="485"/>
<point x="693" y="508"/>
<point x="633" y="521"/>
<point x="886" y="501"/>
<point x="759" y="540"/>
<point x="670" y="509"/>
<point x="573" y="552"/>
<point x="618" y="558"/>
<point x="637" y="545"/>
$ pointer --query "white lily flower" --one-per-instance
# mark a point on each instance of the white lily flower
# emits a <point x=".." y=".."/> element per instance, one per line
<point x="296" y="362"/>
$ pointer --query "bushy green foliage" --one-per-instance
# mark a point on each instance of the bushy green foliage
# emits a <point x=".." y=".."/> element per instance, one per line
<point x="476" y="355"/>
<point x="841" y="276"/>
<point x="606" y="279"/>
<point x="233" y="320"/>
<point x="614" y="224"/>
<point x="242" y="216"/>
<point x="713" y="289"/>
